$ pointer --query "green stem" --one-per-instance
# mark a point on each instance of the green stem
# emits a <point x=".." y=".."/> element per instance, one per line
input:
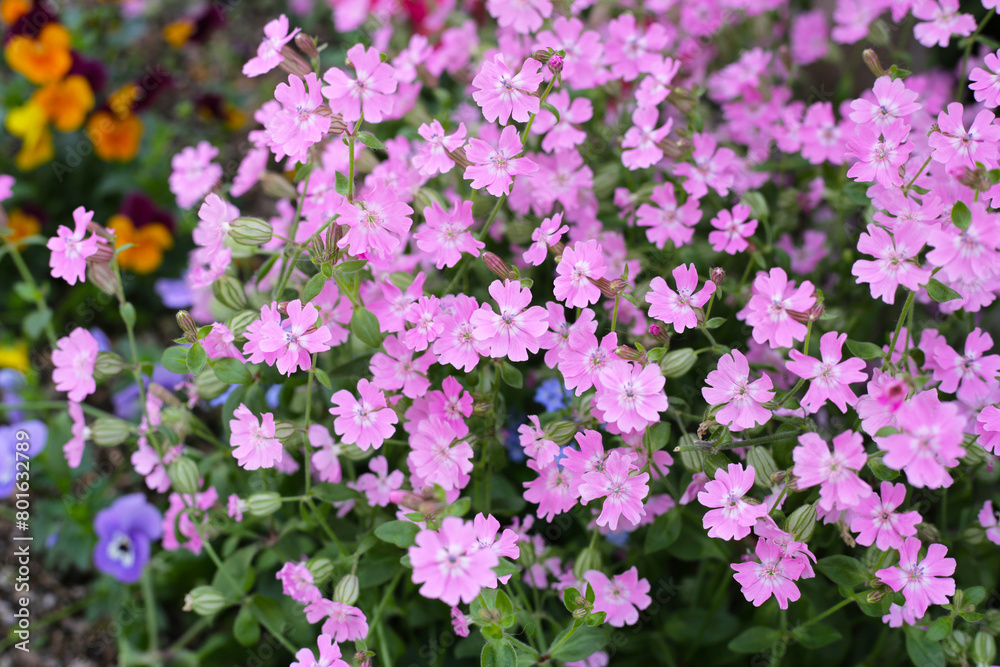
<point x="308" y="446"/>
<point x="189" y="634"/>
<point x="899" y="325"/>
<point x="791" y="392"/>
<point x="817" y="619"/>
<point x="292" y="252"/>
<point x="26" y="276"/>
<point x="266" y="622"/>
<point x="614" y="315"/>
<point x="149" y="602"/>
<point x="527" y="128"/>
<point x="968" y="50"/>
<point x="53" y="405"/>
<point x="917" y="175"/>
<point x="805" y="344"/>
<point x="325" y="525"/>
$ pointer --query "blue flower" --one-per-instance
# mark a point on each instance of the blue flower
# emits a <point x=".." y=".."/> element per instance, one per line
<point x="124" y="532"/>
<point x="552" y="394"/>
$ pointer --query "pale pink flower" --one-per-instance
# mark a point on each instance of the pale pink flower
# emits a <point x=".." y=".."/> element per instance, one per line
<point x="930" y="441"/>
<point x="631" y="396"/>
<point x="457" y="345"/>
<point x="219" y="343"/>
<point x="432" y="158"/>
<point x="178" y="523"/>
<point x="554" y="490"/>
<point x="253" y="441"/>
<point x="329" y="655"/>
<point x="941" y="20"/>
<point x="376" y="222"/>
<point x="325" y="458"/>
<point x="269" y="56"/>
<point x="880" y="152"/>
<point x="448" y="565"/>
<point x="424" y="316"/>
<point x="622" y="491"/>
<point x="581" y="262"/>
<point x="146" y="460"/>
<point x="194" y="174"/>
<point x="893" y="102"/>
<point x="292" y="342"/>
<point x="366" y="422"/>
<point x="214" y="218"/>
<point x="294" y="128"/>
<point x="80" y="433"/>
<point x="770" y="309"/>
<point x="773" y="574"/>
<point x="535" y="443"/>
<point x="955" y="146"/>
<point x="666" y="221"/>
<point x="396" y="369"/>
<point x="515" y="329"/>
<point x="831" y="377"/>
<point x="504" y="95"/>
<point x="641" y="141"/>
<point x="985" y="81"/>
<point x="732" y="516"/>
<point x="733" y="230"/>
<point x="297" y="583"/>
<point x="621" y="597"/>
<point x="438" y="456"/>
<point x="459" y="622"/>
<point x="584" y="360"/>
<point x="495" y="168"/>
<point x="445" y="236"/>
<point x="877" y="521"/>
<point x="988" y="429"/>
<point x="74" y="359"/>
<point x="548" y="233"/>
<point x="70" y="249"/>
<point x="835" y="472"/>
<point x="710" y="167"/>
<point x="924" y="581"/>
<point x="235" y="506"/>
<point x="892" y="266"/>
<point x="378" y="484"/>
<point x="990" y="520"/>
<point x="678" y="308"/>
<point x="523" y="16"/>
<point x="369" y="93"/>
<point x="730" y="386"/>
<point x="343" y="623"/>
<point x="974" y="370"/>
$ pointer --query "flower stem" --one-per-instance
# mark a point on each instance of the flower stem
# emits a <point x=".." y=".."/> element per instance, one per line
<point x="148" y="600"/>
<point x="840" y="605"/>
<point x="29" y="280"/>
<point x="899" y="326"/>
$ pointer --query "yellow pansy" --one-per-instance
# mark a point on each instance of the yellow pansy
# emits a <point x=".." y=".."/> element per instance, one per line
<point x="149" y="241"/>
<point x="66" y="102"/>
<point x="114" y="139"/>
<point x="30" y="122"/>
<point x="15" y="356"/>
<point x="41" y="60"/>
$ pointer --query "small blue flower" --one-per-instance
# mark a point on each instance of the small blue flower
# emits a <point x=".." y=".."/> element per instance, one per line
<point x="124" y="532"/>
<point x="219" y="400"/>
<point x="619" y="538"/>
<point x="271" y="397"/>
<point x="552" y="394"/>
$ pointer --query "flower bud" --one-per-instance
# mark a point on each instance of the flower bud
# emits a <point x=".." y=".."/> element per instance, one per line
<point x="363" y="658"/>
<point x="283" y="430"/>
<point x="321" y="569"/>
<point x="205" y="601"/>
<point x="109" y="431"/>
<point x="102" y="276"/>
<point x="404" y="498"/>
<point x="164" y="395"/>
<point x="352" y="453"/>
<point x="337" y="126"/>
<point x="229" y="291"/>
<point x="676" y="363"/>
<point x="498" y="267"/>
<point x="187" y="325"/>
<point x="801" y="522"/>
<point x="872" y="61"/>
<point x="264" y="503"/>
<point x="876" y="596"/>
<point x="346" y="590"/>
<point x="560" y="432"/>
<point x="250" y="231"/>
<point x="763" y="464"/>
<point x="630" y="354"/>
<point x="459" y="158"/>
<point x="717" y="275"/>
<point x="589" y="559"/>
<point x="239" y="322"/>
<point x="660" y="333"/>
<point x="307" y="44"/>
<point x="778" y="477"/>
<point x="276" y="185"/>
<point x="208" y="386"/>
<point x="683" y="99"/>
<point x="107" y="366"/>
<point x="609" y="288"/>
<point x="293" y="63"/>
<point x="975" y="179"/>
<point x="105" y="251"/>
<point x="184" y="475"/>
<point x="984" y="649"/>
<point x="673" y="149"/>
<point x="556" y="63"/>
<point x="543" y="55"/>
<point x="928" y="532"/>
<point x="956" y="646"/>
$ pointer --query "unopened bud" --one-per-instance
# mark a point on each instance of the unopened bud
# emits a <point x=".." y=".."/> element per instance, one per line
<point x="481" y="405"/>
<point x="184" y="476"/>
<point x="763" y="464"/>
<point x="673" y="149"/>
<point x="337" y="125"/>
<point x="778" y="477"/>
<point x="107" y="366"/>
<point x="717" y="275"/>
<point x="928" y="532"/>
<point x="353" y="452"/>
<point x="956" y="646"/>
<point x="102" y="276"/>
<point x="801" y="522"/>
<point x="556" y="63"/>
<point x="459" y="158"/>
<point x="404" y="498"/>
<point x="660" y="333"/>
<point x="250" y="231"/>
<point x="208" y="385"/>
<point x="806" y="316"/>
<point x="589" y="559"/>
<point x="561" y="432"/>
<point x="105" y="251"/>
<point x="609" y="288"/>
<point x="975" y="179"/>
<point x="239" y="322"/>
<point x="187" y="325"/>
<point x="293" y="63"/>
<point x="283" y="430"/>
<point x="205" y="601"/>
<point x="346" y="590"/>
<point x="683" y="99"/>
<point x="363" y="658"/>
<point x="676" y="363"/>
<point x="264" y="503"/>
<point x="109" y="431"/>
<point x="498" y="267"/>
<point x="557" y="249"/>
<point x="308" y="45"/>
<point x="876" y="596"/>
<point x="872" y="61"/>
<point x="543" y="55"/>
<point x="276" y="185"/>
<point x="581" y="612"/>
<point x="230" y="292"/>
<point x="984" y="649"/>
<point x="630" y="354"/>
<point x="320" y="568"/>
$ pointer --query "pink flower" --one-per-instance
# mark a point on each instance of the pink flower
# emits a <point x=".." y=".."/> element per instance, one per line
<point x="269" y="56"/>
<point x="74" y="359"/>
<point x="893" y="102"/>
<point x="184" y="525"/>
<point x="524" y="16"/>
<point x="495" y="168"/>
<point x="535" y="443"/>
<point x="457" y="345"/>
<point x="214" y="218"/>
<point x="581" y="262"/>
<point x="622" y="491"/>
<point x="448" y="565"/>
<point x="772" y="575"/>
<point x="194" y="174"/>
<point x="219" y="343"/>
<point x="426" y="325"/>
<point x="809" y="38"/>
<point x="376" y="222"/>
<point x="554" y="490"/>
<point x="836" y="472"/>
<point x="369" y="93"/>
<point x="70" y="250"/>
<point x="297" y="583"/>
<point x="969" y="373"/>
<point x="734" y="516"/>
<point x="990" y="520"/>
<point x="291" y="342"/>
<point x="297" y="125"/>
<point x="396" y="369"/>
<point x="631" y="396"/>
<point x="621" y="597"/>
<point x="235" y="507"/>
<point x="643" y="138"/>
<point x="733" y="230"/>
<point x="459" y="622"/>
<point x="821" y="140"/>
<point x="954" y="146"/>
<point x="562" y="134"/>
<point x="343" y="622"/>
<point x="80" y="433"/>
<point x="379" y="483"/>
<point x="941" y="20"/>
<point x="366" y="422"/>
<point x="986" y="81"/>
<point x="325" y="453"/>
<point x="515" y="329"/>
<point x="923" y="582"/>
<point x="504" y="95"/>
<point x="505" y="546"/>
<point x="880" y="152"/>
<point x="893" y="265"/>
<point x="445" y="236"/>
<point x="438" y="456"/>
<point x="711" y="168"/>
<point x="433" y="158"/>
<point x="629" y="48"/>
<point x="877" y="522"/>
<point x="548" y="233"/>
<point x="678" y="308"/>
<point x="988" y="428"/>
<point x="145" y="459"/>
<point x="769" y="309"/>
<point x="730" y="385"/>
<point x="329" y="655"/>
<point x="253" y="441"/>
<point x="666" y="220"/>
<point x="831" y="378"/>
<point x="930" y="441"/>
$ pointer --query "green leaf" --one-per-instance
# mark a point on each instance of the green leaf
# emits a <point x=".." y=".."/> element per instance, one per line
<point x="940" y="628"/>
<point x="664" y="531"/>
<point x="922" y="651"/>
<point x="303" y="172"/>
<point x="881" y="470"/>
<point x="174" y="359"/>
<point x="323" y="378"/>
<point x="24" y="291"/>
<point x="35" y="323"/>
<point x="333" y="493"/>
<point x="816" y="636"/>
<point x="350" y="266"/>
<point x="715" y="323"/>
<point x="585" y="642"/>
<point x="843" y="570"/>
<point x="313" y="287"/>
<point x="505" y="567"/>
<point x="400" y="533"/>
<point x="498" y="653"/>
<point x="196" y="358"/>
<point x="961" y="215"/>
<point x="552" y="110"/>
<point x="246" y="628"/>
<point x="506" y="609"/>
<point x="974" y="595"/>
<point x="341" y="185"/>
<point x="656" y="436"/>
<point x="570" y="597"/>
<point x="754" y="640"/>
<point x="863" y="350"/>
<point x="127" y="311"/>
<point x="267" y="611"/>
<point x="371" y="141"/>
<point x="939" y="292"/>
<point x="236" y="569"/>
<point x="365" y="326"/>
<point x="231" y="371"/>
<point x="886" y="431"/>
<point x="510" y="375"/>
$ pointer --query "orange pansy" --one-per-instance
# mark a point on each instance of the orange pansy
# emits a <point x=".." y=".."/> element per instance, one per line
<point x="150" y="241"/>
<point x="66" y="102"/>
<point x="21" y="226"/>
<point x="41" y="60"/>
<point x="12" y="10"/>
<point x="114" y="139"/>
